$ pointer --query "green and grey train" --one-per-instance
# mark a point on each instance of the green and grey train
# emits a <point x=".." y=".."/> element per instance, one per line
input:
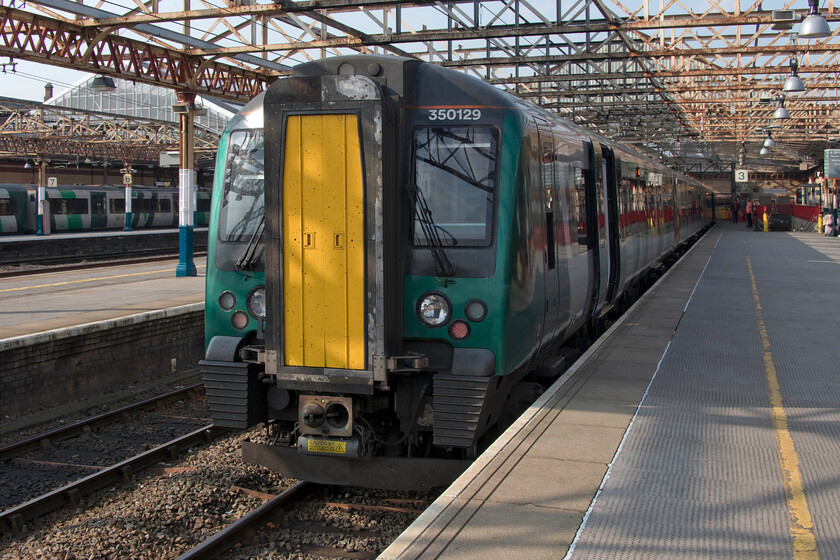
<point x="395" y="246"/>
<point x="94" y="207"/>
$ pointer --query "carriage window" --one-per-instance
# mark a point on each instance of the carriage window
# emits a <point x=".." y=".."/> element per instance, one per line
<point x="116" y="206"/>
<point x="8" y="207"/>
<point x="68" y="206"/>
<point x="242" y="203"/>
<point x="150" y="205"/>
<point x="455" y="181"/>
<point x="578" y="208"/>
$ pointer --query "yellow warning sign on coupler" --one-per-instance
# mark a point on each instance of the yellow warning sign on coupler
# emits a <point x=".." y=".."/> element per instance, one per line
<point x="326" y="446"/>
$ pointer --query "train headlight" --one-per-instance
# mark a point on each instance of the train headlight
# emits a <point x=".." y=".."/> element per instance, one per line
<point x="434" y="309"/>
<point x="256" y="302"/>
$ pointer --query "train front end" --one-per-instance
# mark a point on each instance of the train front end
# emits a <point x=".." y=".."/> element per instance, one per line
<point x="235" y="274"/>
<point x="352" y="367"/>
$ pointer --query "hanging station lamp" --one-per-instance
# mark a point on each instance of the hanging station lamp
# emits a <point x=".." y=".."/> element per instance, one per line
<point x="781" y="112"/>
<point x="794" y="83"/>
<point x="769" y="142"/>
<point x="814" y="25"/>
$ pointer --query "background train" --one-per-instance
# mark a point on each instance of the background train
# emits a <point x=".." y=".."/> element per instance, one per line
<point x="80" y="208"/>
<point x="397" y="251"/>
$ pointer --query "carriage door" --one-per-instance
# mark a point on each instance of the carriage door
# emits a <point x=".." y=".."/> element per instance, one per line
<point x="612" y="223"/>
<point x="323" y="242"/>
<point x="602" y="231"/>
<point x="98" y="212"/>
<point x="550" y="217"/>
<point x="593" y="175"/>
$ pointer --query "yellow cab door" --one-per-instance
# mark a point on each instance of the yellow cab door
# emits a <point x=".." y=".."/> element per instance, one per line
<point x="323" y="242"/>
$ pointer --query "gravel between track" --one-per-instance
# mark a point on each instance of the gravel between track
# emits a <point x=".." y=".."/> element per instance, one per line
<point x="162" y="514"/>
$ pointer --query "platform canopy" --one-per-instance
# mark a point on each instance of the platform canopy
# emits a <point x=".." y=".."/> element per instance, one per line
<point x="695" y="84"/>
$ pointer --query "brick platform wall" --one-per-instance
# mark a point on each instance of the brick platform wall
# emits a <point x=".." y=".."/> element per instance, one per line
<point x="52" y="368"/>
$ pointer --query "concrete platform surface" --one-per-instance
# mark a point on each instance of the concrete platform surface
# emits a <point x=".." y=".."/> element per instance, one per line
<point x="51" y="300"/>
<point x="703" y="424"/>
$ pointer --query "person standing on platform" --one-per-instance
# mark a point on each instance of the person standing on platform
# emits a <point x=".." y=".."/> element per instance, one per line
<point x="756" y="217"/>
<point x="828" y="224"/>
<point x="735" y="210"/>
<point x="749" y="213"/>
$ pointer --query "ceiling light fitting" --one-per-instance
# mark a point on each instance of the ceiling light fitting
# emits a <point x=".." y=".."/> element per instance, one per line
<point x="781" y="112"/>
<point x="814" y="25"/>
<point x="794" y="83"/>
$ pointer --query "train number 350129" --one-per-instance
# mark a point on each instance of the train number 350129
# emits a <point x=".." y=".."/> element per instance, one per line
<point x="454" y="114"/>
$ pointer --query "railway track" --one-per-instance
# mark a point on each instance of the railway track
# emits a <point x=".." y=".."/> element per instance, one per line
<point x="55" y="468"/>
<point x="244" y="528"/>
<point x="315" y="521"/>
<point x="209" y="501"/>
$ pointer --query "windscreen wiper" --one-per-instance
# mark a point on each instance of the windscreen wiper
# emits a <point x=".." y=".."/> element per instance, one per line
<point x="249" y="255"/>
<point x="443" y="266"/>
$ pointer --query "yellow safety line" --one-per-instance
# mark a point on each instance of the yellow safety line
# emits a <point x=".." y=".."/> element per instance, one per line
<point x="801" y="523"/>
<point x="90" y="280"/>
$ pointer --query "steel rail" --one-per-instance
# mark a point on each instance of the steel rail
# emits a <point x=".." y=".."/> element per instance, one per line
<point x="13" y="519"/>
<point x="66" y="432"/>
<point x="234" y="533"/>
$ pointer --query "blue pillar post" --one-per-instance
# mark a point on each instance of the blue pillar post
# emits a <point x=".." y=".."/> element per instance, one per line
<point x="39" y="215"/>
<point x="186" y="187"/>
<point x="128" y="204"/>
<point x="186" y="266"/>
<point x="42" y="178"/>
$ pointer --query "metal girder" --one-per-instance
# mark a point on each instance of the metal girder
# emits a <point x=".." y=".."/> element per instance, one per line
<point x="37" y="38"/>
<point x="29" y="130"/>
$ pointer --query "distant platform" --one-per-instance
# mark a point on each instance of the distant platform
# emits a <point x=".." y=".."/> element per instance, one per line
<point x="96" y="233"/>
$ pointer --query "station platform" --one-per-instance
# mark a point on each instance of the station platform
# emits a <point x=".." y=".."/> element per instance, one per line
<point x="45" y="301"/>
<point x="704" y="424"/>
<point x="74" y="336"/>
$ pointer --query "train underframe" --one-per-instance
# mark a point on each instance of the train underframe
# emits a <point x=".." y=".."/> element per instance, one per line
<point x="418" y="432"/>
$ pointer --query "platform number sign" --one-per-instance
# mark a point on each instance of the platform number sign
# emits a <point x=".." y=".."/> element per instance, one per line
<point x="742" y="176"/>
<point x="832" y="164"/>
<point x="127" y="179"/>
<point x="52" y="182"/>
